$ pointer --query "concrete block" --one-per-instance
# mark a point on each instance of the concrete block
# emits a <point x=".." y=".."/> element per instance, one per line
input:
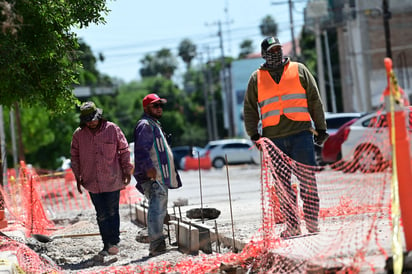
<point x="141" y="215"/>
<point x="205" y="242"/>
<point x="187" y="237"/>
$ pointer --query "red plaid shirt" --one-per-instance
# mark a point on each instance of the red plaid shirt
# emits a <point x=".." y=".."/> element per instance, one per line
<point x="100" y="159"/>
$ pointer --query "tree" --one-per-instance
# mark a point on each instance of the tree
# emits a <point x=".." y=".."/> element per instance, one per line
<point x="246" y="47"/>
<point x="163" y="63"/>
<point x="39" y="62"/>
<point x="38" y="52"/>
<point x="307" y="44"/>
<point x="187" y="51"/>
<point x="268" y="26"/>
<point x="88" y="74"/>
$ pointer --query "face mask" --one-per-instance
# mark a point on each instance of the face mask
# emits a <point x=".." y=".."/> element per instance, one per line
<point x="273" y="59"/>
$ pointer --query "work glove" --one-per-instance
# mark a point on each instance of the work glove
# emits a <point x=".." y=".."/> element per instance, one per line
<point x="321" y="137"/>
<point x="255" y="138"/>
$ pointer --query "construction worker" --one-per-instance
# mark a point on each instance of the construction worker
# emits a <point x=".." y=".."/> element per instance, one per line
<point x="283" y="99"/>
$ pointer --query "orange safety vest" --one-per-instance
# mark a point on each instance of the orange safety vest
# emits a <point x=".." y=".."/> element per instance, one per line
<point x="286" y="98"/>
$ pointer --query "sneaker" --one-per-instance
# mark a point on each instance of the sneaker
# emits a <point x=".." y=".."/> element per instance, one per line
<point x="113" y="249"/>
<point x="290" y="232"/>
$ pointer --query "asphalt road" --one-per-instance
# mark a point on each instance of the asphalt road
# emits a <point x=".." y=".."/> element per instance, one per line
<point x="234" y="191"/>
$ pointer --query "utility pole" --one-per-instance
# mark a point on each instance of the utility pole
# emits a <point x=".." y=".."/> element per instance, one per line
<point x="292" y="32"/>
<point x="319" y="61"/>
<point x="386" y="16"/>
<point x="315" y="11"/>
<point x="226" y="84"/>
<point x="330" y="74"/>
<point x="211" y="91"/>
<point x="206" y="96"/>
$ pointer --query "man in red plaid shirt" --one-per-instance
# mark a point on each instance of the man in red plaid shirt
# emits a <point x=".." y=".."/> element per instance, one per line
<point x="100" y="160"/>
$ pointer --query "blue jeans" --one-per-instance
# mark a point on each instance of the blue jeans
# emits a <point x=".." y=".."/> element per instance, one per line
<point x="300" y="148"/>
<point x="107" y="216"/>
<point x="157" y="194"/>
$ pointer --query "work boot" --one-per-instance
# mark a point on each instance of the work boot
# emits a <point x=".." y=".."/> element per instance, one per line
<point x="159" y="249"/>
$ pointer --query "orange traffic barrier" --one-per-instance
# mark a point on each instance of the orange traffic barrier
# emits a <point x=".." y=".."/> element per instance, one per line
<point x="401" y="148"/>
<point x="192" y="163"/>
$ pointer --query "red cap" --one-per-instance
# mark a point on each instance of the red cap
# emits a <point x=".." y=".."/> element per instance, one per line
<point x="152" y="98"/>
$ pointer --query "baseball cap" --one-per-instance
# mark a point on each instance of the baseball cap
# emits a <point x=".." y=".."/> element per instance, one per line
<point x="153" y="98"/>
<point x="270" y="42"/>
<point x="89" y="112"/>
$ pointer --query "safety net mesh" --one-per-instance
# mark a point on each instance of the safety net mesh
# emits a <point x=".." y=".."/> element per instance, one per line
<point x="343" y="223"/>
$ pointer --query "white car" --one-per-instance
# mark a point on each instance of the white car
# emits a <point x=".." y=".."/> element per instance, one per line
<point x="367" y="146"/>
<point x="335" y="120"/>
<point x="236" y="151"/>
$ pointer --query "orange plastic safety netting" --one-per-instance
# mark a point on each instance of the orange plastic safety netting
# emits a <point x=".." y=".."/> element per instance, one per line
<point x="349" y="207"/>
<point x="354" y="217"/>
<point x="32" y="200"/>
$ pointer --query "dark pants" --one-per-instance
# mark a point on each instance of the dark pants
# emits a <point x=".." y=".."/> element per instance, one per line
<point x="300" y="148"/>
<point x="107" y="216"/>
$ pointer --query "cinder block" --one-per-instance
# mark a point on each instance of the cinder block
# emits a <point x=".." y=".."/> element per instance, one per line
<point x="205" y="243"/>
<point x="187" y="237"/>
<point x="141" y="215"/>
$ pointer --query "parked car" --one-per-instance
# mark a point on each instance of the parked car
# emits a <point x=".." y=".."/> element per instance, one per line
<point x="181" y="151"/>
<point x="331" y="149"/>
<point x="333" y="122"/>
<point x="367" y="146"/>
<point x="237" y="151"/>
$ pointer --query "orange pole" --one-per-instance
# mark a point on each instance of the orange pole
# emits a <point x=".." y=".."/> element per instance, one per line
<point x="402" y="150"/>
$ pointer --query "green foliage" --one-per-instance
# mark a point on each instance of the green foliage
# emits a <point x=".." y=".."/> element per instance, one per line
<point x="268" y="26"/>
<point x="163" y="63"/>
<point x="45" y="137"/>
<point x="308" y="50"/>
<point x="38" y="61"/>
<point x="246" y="47"/>
<point x="187" y="51"/>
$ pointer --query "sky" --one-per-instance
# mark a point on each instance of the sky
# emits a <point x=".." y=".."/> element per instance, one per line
<point x="135" y="28"/>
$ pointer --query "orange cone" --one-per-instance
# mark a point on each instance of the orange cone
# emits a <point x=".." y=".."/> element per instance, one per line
<point x="402" y="150"/>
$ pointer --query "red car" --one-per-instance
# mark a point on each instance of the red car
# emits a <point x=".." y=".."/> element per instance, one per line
<point x="332" y="146"/>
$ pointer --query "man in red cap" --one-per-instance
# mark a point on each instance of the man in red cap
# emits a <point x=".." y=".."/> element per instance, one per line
<point x="155" y="172"/>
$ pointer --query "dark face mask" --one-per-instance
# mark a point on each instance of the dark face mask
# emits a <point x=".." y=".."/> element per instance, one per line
<point x="274" y="60"/>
